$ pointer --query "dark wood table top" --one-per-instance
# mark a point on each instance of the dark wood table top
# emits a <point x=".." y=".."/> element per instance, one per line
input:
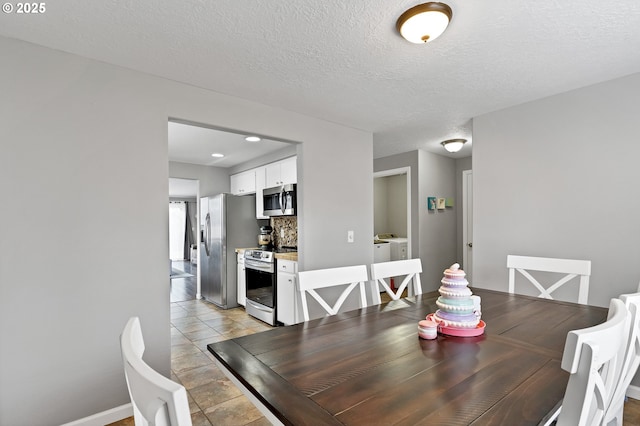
<point x="368" y="366"/>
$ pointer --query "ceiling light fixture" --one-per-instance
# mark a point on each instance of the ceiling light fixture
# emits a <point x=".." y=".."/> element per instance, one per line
<point x="425" y="22"/>
<point x="217" y="155"/>
<point x="453" y="145"/>
<point x="252" y="139"/>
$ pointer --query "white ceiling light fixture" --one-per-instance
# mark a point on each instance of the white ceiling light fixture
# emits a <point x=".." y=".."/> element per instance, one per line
<point x="425" y="22"/>
<point x="453" y="145"/>
<point x="252" y="139"/>
<point x="217" y="155"/>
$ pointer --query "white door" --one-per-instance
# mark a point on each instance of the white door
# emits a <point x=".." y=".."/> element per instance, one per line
<point x="467" y="223"/>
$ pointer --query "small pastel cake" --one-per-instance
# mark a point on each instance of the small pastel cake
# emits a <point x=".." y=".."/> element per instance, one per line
<point x="455" y="305"/>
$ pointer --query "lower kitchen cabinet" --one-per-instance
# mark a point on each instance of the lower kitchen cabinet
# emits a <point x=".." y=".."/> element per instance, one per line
<point x="287" y="299"/>
<point x="242" y="280"/>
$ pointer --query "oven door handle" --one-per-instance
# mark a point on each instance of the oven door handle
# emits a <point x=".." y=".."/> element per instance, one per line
<point x="258" y="266"/>
<point x="259" y="307"/>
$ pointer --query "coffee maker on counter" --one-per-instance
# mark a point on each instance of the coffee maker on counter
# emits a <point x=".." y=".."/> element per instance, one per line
<point x="265" y="239"/>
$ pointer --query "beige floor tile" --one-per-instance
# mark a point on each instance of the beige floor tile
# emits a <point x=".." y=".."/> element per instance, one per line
<point x="202" y="344"/>
<point x="200" y="419"/>
<point x="182" y="350"/>
<point x="185" y="321"/>
<point x="194" y="326"/>
<point x="262" y="421"/>
<point x="200" y="376"/>
<point x="214" y="393"/>
<point x="179" y="340"/>
<point x="214" y="322"/>
<point x="237" y="411"/>
<point x="188" y="362"/>
<point x="201" y="334"/>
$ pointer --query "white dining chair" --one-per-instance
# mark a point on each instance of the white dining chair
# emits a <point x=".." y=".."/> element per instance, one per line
<point x="630" y="361"/>
<point x="348" y="277"/>
<point x="570" y="267"/>
<point x="383" y="272"/>
<point x="156" y="400"/>
<point x="591" y="357"/>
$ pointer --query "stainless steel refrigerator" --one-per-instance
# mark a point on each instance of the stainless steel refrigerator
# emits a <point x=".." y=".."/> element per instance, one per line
<point x="227" y="222"/>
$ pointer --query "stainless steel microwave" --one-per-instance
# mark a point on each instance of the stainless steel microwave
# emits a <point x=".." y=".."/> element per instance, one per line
<point x="279" y="200"/>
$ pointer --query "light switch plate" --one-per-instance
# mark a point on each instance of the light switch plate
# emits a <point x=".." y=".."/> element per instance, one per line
<point x="349" y="236"/>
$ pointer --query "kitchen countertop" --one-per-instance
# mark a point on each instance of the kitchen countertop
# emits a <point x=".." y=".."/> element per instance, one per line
<point x="241" y="250"/>
<point x="287" y="256"/>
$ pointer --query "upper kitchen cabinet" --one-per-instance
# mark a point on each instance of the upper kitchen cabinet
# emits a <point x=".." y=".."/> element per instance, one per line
<point x="281" y="172"/>
<point x="260" y="186"/>
<point x="243" y="183"/>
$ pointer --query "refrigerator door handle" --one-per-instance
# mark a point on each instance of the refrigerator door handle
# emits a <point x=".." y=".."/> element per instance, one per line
<point x="207" y="234"/>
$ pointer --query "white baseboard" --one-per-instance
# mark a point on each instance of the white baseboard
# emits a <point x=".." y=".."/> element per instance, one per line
<point x="633" y="392"/>
<point x="105" y="417"/>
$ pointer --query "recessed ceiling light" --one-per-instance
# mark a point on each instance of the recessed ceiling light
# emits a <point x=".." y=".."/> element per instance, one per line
<point x="217" y="155"/>
<point x="252" y="139"/>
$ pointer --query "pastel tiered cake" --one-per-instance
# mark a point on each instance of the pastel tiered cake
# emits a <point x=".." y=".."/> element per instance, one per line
<point x="456" y="308"/>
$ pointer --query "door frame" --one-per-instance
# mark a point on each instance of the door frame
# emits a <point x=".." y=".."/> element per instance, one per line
<point x="407" y="172"/>
<point x="467" y="222"/>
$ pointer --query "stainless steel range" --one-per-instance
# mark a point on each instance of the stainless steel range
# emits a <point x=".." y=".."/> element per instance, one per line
<point x="261" y="285"/>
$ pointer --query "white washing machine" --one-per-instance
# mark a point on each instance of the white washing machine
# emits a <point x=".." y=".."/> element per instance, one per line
<point x="398" y="248"/>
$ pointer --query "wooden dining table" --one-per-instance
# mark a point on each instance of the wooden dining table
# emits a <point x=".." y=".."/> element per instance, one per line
<point x="369" y="367"/>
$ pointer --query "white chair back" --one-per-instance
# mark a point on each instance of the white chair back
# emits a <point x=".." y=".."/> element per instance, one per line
<point x="349" y="276"/>
<point x="630" y="360"/>
<point x="571" y="268"/>
<point x="591" y="356"/>
<point x="381" y="274"/>
<point x="156" y="400"/>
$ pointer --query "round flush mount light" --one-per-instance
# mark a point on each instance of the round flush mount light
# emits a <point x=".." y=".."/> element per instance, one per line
<point x="453" y="145"/>
<point x="217" y="155"/>
<point x="252" y="139"/>
<point x="425" y="22"/>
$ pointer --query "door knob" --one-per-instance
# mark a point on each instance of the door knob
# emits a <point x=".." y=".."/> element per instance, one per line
<point x="470" y="245"/>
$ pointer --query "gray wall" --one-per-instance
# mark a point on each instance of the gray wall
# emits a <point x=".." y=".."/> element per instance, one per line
<point x="84" y="155"/>
<point x="433" y="233"/>
<point x="558" y="177"/>
<point x="437" y="228"/>
<point x="212" y="180"/>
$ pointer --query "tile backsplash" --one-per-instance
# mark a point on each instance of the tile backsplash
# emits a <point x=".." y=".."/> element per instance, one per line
<point x="290" y="226"/>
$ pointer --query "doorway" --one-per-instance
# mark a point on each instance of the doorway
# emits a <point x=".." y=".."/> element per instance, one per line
<point x="392" y="204"/>
<point x="183" y="239"/>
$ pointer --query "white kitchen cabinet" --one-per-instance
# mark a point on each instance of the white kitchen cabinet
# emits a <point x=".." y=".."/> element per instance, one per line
<point x="381" y="252"/>
<point x="260" y="186"/>
<point x="241" y="280"/>
<point x="243" y="183"/>
<point x="287" y="299"/>
<point x="281" y="172"/>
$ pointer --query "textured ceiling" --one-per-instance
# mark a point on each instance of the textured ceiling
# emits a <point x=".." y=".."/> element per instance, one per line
<point x="344" y="62"/>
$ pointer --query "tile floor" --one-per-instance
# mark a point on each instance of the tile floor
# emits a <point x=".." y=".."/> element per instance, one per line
<point x="213" y="399"/>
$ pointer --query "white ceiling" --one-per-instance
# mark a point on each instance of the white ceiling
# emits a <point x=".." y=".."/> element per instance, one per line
<point x="343" y="61"/>
<point x="194" y="144"/>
